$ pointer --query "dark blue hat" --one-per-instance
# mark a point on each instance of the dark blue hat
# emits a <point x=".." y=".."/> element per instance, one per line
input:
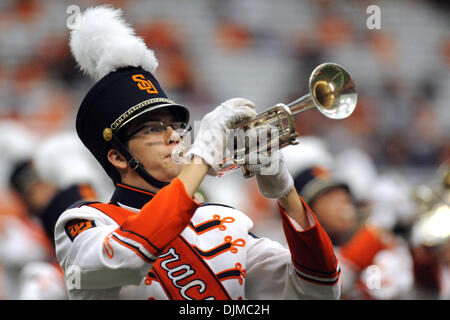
<point x="116" y="100"/>
<point x="315" y="181"/>
<point x="108" y="49"/>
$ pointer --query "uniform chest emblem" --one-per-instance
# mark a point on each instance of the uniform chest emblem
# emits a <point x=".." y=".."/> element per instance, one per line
<point x="185" y="276"/>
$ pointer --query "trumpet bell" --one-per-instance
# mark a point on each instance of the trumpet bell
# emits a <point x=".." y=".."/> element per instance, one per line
<point x="332" y="91"/>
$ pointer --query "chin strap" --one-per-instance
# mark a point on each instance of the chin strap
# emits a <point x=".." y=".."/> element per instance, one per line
<point x="135" y="165"/>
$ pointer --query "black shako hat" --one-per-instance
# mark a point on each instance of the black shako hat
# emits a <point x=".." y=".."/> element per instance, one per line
<point x="115" y="101"/>
<point x="314" y="182"/>
<point x="107" y="48"/>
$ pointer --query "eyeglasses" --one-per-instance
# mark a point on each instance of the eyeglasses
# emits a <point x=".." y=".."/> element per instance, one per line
<point x="157" y="127"/>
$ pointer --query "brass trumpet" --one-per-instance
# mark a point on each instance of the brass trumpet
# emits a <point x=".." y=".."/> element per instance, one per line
<point x="331" y="91"/>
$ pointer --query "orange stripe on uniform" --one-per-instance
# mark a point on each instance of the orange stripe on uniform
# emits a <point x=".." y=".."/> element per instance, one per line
<point x="184" y="275"/>
<point x="362" y="248"/>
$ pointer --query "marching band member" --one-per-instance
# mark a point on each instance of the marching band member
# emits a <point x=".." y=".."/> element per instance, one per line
<point x="153" y="240"/>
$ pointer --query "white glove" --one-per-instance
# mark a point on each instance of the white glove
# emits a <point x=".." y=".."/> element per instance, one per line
<point x="273" y="178"/>
<point x="210" y="141"/>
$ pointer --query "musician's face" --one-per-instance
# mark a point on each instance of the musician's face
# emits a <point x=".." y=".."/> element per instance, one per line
<point x="153" y="147"/>
<point x="335" y="211"/>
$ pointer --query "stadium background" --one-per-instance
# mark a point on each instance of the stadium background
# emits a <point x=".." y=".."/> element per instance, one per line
<point x="263" y="50"/>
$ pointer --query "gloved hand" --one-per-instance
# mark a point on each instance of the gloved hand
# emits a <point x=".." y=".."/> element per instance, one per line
<point x="210" y="141"/>
<point x="273" y="178"/>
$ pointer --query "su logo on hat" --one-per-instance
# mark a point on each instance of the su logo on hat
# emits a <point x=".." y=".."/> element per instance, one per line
<point x="143" y="84"/>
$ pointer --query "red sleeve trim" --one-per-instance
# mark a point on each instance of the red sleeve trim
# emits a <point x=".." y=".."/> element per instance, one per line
<point x="158" y="223"/>
<point x="311" y="249"/>
<point x="162" y="219"/>
<point x="319" y="280"/>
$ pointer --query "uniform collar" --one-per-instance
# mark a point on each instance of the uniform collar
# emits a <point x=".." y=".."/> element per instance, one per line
<point x="128" y="196"/>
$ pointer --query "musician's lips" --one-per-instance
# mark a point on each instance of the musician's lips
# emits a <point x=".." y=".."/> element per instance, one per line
<point x="176" y="155"/>
<point x="169" y="155"/>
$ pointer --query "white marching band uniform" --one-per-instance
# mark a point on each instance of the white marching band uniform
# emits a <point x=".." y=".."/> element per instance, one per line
<point x="122" y="251"/>
<point x="167" y="245"/>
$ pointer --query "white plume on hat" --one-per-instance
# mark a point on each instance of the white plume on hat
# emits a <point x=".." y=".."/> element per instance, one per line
<point x="103" y="42"/>
<point x="17" y="143"/>
<point x="357" y="169"/>
<point x="391" y="203"/>
<point x="311" y="151"/>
